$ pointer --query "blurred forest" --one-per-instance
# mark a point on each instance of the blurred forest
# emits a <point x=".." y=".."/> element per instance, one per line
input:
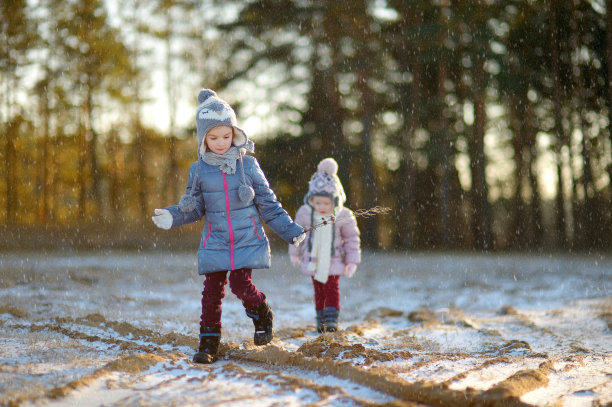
<point x="483" y="124"/>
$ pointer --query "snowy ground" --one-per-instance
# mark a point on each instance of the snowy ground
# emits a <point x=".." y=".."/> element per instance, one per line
<point x="81" y="329"/>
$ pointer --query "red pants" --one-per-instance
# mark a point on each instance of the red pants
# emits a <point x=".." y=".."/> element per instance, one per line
<point x="328" y="294"/>
<point x="214" y="291"/>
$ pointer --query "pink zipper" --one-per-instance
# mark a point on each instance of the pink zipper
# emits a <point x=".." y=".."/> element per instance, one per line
<point x="255" y="228"/>
<point x="229" y="221"/>
<point x="207" y="236"/>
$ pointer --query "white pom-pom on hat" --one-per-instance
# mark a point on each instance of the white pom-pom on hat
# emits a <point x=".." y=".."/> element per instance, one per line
<point x="328" y="166"/>
<point x="205" y="94"/>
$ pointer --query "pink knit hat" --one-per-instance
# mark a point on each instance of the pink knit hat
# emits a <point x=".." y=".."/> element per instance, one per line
<point x="325" y="182"/>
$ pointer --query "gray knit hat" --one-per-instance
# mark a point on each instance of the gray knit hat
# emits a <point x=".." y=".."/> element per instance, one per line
<point x="325" y="182"/>
<point x="213" y="111"/>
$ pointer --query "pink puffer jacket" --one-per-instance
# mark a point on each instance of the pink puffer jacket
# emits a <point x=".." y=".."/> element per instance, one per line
<point x="346" y="241"/>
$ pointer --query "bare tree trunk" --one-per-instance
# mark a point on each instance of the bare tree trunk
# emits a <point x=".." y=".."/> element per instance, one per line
<point x="9" y="148"/>
<point x="139" y="146"/>
<point x="45" y="162"/>
<point x="405" y="233"/>
<point x="559" y="133"/>
<point x="536" y="226"/>
<point x="170" y="178"/>
<point x="446" y="161"/>
<point x="411" y="100"/>
<point x="7" y="172"/>
<point x="405" y="207"/>
<point x="112" y="150"/>
<point x="82" y="147"/>
<point x="583" y="221"/>
<point x="139" y="143"/>
<point x="169" y="186"/>
<point x="370" y="232"/>
<point x="481" y="222"/>
<point x="518" y="117"/>
<point x="54" y="180"/>
<point x="609" y="64"/>
<point x="11" y="170"/>
<point x="5" y="140"/>
<point x="93" y="155"/>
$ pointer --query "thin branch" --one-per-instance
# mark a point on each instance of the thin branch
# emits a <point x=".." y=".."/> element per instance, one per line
<point x="359" y="213"/>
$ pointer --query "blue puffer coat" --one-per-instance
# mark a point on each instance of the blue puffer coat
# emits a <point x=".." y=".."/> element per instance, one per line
<point x="233" y="236"/>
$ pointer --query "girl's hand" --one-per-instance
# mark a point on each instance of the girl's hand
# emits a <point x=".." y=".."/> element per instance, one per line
<point x="350" y="269"/>
<point x="299" y="239"/>
<point x="295" y="260"/>
<point x="162" y="219"/>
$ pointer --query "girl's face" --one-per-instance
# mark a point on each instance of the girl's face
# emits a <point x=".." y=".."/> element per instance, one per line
<point x="322" y="204"/>
<point x="219" y="139"/>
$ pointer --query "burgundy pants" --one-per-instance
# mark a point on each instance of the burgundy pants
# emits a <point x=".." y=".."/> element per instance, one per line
<point x="214" y="291"/>
<point x="328" y="294"/>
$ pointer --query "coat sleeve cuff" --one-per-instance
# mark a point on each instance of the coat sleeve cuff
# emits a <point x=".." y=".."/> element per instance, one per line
<point x="353" y="258"/>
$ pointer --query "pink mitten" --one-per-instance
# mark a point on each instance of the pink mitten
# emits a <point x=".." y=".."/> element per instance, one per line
<point x="295" y="260"/>
<point x="350" y="269"/>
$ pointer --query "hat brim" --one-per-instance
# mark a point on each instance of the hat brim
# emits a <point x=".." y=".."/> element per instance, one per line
<point x="240" y="138"/>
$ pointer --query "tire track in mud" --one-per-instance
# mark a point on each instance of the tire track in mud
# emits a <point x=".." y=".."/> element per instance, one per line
<point x="131" y="364"/>
<point x="505" y="393"/>
<point x="135" y="363"/>
<point x="322" y="355"/>
<point x="294" y="383"/>
<point x="561" y="340"/>
<point x="124" y="329"/>
<point x="454" y="316"/>
<point x="325" y="355"/>
<point x="278" y="382"/>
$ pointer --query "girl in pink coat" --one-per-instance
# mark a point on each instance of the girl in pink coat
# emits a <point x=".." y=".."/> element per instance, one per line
<point x="329" y="251"/>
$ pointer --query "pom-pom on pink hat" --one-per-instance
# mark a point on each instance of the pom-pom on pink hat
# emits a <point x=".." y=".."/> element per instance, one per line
<point x="325" y="182"/>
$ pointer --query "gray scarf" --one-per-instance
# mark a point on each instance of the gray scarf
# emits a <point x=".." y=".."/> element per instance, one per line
<point x="226" y="162"/>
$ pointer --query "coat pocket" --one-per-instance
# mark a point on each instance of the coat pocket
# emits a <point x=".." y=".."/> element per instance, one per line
<point x="341" y="252"/>
<point x="255" y="228"/>
<point x="207" y="235"/>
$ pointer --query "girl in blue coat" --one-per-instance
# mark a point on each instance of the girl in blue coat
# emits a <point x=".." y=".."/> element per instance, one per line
<point x="231" y="192"/>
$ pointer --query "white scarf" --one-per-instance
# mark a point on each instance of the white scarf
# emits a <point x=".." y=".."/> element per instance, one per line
<point x="320" y="256"/>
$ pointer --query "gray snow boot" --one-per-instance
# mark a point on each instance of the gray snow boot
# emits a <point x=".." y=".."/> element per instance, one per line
<point x="320" y="321"/>
<point x="331" y="319"/>
<point x="210" y="336"/>
<point x="262" y="317"/>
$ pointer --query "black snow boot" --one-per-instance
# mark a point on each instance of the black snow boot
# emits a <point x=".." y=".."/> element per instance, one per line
<point x="210" y="336"/>
<point x="331" y="319"/>
<point x="262" y="317"/>
<point x="320" y="321"/>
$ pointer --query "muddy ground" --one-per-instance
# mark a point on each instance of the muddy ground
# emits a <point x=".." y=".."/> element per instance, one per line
<point x="117" y="328"/>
